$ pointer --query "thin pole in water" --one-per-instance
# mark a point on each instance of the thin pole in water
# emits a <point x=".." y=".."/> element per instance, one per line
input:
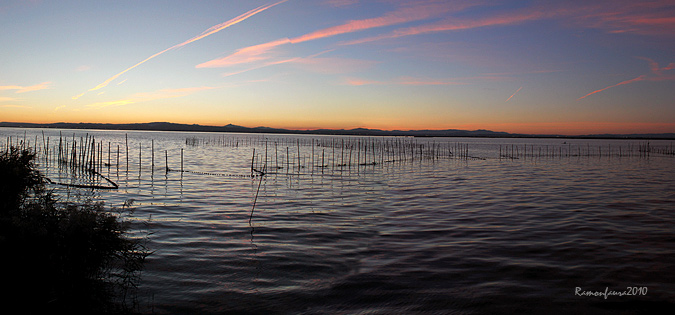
<point x="252" y="159"/>
<point x="126" y="143"/>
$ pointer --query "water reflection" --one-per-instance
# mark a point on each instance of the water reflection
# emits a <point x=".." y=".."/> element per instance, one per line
<point x="497" y="231"/>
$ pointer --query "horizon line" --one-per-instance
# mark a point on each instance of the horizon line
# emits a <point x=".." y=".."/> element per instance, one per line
<point x="309" y="130"/>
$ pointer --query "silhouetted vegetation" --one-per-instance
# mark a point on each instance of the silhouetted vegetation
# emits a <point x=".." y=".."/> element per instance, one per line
<point x="59" y="256"/>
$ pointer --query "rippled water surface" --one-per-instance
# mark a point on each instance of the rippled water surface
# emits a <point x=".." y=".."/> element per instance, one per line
<point x="487" y="233"/>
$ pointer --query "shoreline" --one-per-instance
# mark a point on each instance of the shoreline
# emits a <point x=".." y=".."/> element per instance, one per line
<point x="449" y="133"/>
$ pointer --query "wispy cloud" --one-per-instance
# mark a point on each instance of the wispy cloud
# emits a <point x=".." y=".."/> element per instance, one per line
<point x="341" y="3"/>
<point x="359" y="82"/>
<point x="514" y="93"/>
<point x="261" y="65"/>
<point x="418" y="81"/>
<point x="455" y="24"/>
<point x="83" y="68"/>
<point x="334" y="65"/>
<point x="112" y="103"/>
<point x="401" y="15"/>
<point x="657" y="74"/>
<point x="638" y="79"/>
<point x="314" y="63"/>
<point x="151" y="96"/>
<point x="245" y="55"/>
<point x="646" y="18"/>
<point x="8" y="99"/>
<point x="638" y="17"/>
<point x="214" y="29"/>
<point x="402" y="81"/>
<point x="24" y="89"/>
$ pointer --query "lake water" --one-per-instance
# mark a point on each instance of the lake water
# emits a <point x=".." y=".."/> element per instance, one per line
<point x="434" y="226"/>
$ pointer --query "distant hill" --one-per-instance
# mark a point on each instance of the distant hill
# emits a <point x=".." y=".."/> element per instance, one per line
<point x="167" y="126"/>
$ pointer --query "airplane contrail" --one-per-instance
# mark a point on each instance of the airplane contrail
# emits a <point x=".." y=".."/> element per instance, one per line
<point x="656" y="75"/>
<point x="514" y="93"/>
<point x="212" y="30"/>
<point x="640" y="78"/>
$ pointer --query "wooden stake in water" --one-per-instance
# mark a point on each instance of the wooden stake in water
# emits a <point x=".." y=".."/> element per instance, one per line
<point x="342" y="153"/>
<point x="276" y="156"/>
<point x="252" y="160"/>
<point x="287" y="160"/>
<point x="126" y="143"/>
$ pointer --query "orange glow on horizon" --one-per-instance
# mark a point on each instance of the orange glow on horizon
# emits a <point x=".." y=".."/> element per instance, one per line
<point x="533" y="128"/>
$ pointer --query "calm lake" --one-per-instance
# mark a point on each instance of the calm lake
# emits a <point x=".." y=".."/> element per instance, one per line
<point x="364" y="225"/>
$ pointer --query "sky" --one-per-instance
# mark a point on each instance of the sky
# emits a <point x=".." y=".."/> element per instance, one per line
<point x="538" y="67"/>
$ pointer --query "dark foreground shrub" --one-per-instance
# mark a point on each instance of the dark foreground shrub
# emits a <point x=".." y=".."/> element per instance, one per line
<point x="75" y="258"/>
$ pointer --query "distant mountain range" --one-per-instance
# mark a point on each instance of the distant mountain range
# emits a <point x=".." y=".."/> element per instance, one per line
<point x="166" y="126"/>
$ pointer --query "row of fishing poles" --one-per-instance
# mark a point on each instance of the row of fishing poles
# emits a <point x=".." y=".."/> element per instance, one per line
<point x="340" y="154"/>
<point x="643" y="150"/>
<point x="291" y="154"/>
<point x="82" y="154"/>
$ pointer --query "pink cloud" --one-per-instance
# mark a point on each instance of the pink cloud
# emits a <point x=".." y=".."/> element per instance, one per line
<point x="359" y="82"/>
<point x="246" y="55"/>
<point x="417" y="81"/>
<point x="314" y="63"/>
<point x="639" y="17"/>
<point x="514" y="93"/>
<point x="334" y="65"/>
<point x="656" y="75"/>
<point x="401" y="15"/>
<point x="83" y="68"/>
<point x="653" y="18"/>
<point x="401" y="81"/>
<point x="341" y="3"/>
<point x="452" y="24"/>
<point x="259" y="66"/>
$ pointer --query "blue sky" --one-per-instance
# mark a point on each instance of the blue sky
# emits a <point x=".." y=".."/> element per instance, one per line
<point x="567" y="67"/>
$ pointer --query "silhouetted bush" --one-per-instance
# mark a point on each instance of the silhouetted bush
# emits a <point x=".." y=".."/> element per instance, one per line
<point x="75" y="258"/>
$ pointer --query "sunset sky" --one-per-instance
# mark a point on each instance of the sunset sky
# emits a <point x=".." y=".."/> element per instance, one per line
<point x="563" y="67"/>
